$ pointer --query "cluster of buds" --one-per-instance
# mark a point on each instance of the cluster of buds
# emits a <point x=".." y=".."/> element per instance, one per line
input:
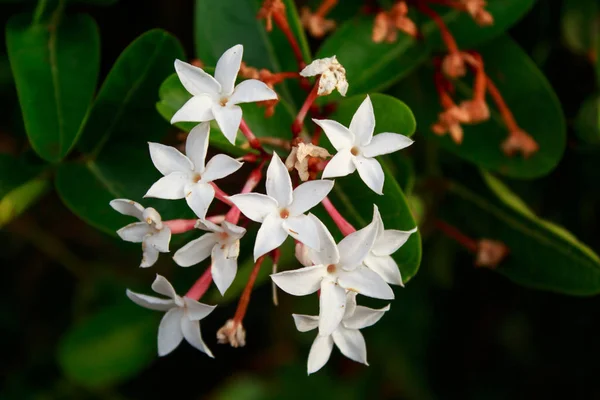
<point x="388" y="23"/>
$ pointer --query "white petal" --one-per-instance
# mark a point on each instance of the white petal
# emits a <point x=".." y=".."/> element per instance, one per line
<point x="195" y="80"/>
<point x="150" y="302"/>
<point x="363" y="122"/>
<point x="169" y="331"/>
<point x="170" y="187"/>
<point x="196" y="145"/>
<point x="227" y="68"/>
<point x="320" y="352"/>
<point x="196" y="109"/>
<point x="302" y="281"/>
<point x="223" y="268"/>
<point x="160" y="240"/>
<point x="308" y="195"/>
<point x="364" y="316"/>
<point x="162" y="286"/>
<point x="390" y="241"/>
<point x="128" y="207"/>
<point x="228" y="118"/>
<point x="303" y="229"/>
<point x="351" y="343"/>
<point x="191" y="333"/>
<point x="340" y="164"/>
<point x="350" y="304"/>
<point x="305" y="323"/>
<point x="207" y="225"/>
<point x="356" y="246"/>
<point x="149" y="256"/>
<point x="135" y="232"/>
<point x="195" y="310"/>
<point x="270" y="235"/>
<point x="332" y="305"/>
<point x="168" y="159"/>
<point x="328" y="250"/>
<point x="385" y="143"/>
<point x="255" y="206"/>
<point x="195" y="251"/>
<point x="251" y="90"/>
<point x="219" y="167"/>
<point x="317" y="67"/>
<point x="366" y="282"/>
<point x="339" y="136"/>
<point x="279" y="184"/>
<point x="370" y="172"/>
<point x="386" y="267"/>
<point x="199" y="197"/>
<point x="235" y="232"/>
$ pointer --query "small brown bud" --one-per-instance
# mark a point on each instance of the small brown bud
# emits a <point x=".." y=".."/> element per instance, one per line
<point x="300" y="155"/>
<point x="520" y="142"/>
<point x="233" y="333"/>
<point x="316" y="25"/>
<point x="490" y="253"/>
<point x="476" y="110"/>
<point x="453" y="65"/>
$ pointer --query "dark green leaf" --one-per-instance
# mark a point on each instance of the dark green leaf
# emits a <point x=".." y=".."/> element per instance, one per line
<point x="587" y="122"/>
<point x="580" y="23"/>
<point x="55" y="67"/>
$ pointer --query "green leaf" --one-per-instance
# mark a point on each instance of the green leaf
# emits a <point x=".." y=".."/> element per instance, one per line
<point x="55" y="67"/>
<point x="124" y="108"/>
<point x="109" y="347"/>
<point x="587" y="122"/>
<point x="514" y="74"/>
<point x="580" y="24"/>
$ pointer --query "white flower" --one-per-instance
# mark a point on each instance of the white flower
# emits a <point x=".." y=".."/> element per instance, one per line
<point x="346" y="336"/>
<point x="187" y="176"/>
<point x="182" y="318"/>
<point x="356" y="146"/>
<point x="333" y="75"/>
<point x="223" y="245"/>
<point x="218" y="98"/>
<point x="388" y="241"/>
<point x="150" y="231"/>
<point x="335" y="270"/>
<point x="281" y="211"/>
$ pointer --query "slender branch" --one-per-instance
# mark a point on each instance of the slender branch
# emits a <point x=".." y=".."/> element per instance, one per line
<point x="201" y="285"/>
<point x="252" y="140"/>
<point x="439" y="21"/>
<point x="221" y="195"/>
<point x="453" y="233"/>
<point x="507" y="115"/>
<point x="344" y="226"/>
<point x="310" y="99"/>
<point x="240" y="312"/>
<point x="282" y="22"/>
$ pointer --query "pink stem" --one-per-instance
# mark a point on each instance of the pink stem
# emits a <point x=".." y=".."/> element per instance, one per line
<point x="344" y="226"/>
<point x="221" y="195"/>
<point x="201" y="285"/>
<point x="180" y="225"/>
<point x="254" y="178"/>
<point x="252" y="140"/>
<point x="299" y="121"/>
<point x="216" y="219"/>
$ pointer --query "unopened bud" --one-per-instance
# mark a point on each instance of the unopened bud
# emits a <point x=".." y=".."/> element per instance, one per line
<point x="449" y="121"/>
<point x="490" y="253"/>
<point x="316" y="25"/>
<point x="233" y="333"/>
<point x="520" y="142"/>
<point x="476" y="111"/>
<point x="453" y="65"/>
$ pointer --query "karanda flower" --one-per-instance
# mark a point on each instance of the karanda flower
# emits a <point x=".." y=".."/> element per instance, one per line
<point x="346" y="336"/>
<point x="356" y="146"/>
<point x="281" y="211"/>
<point x="218" y="98"/>
<point x="150" y="231"/>
<point x="181" y="320"/>
<point x="187" y="176"/>
<point x="222" y="244"/>
<point x="332" y="75"/>
<point x="335" y="270"/>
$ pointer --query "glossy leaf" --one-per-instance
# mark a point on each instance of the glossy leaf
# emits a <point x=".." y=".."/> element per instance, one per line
<point x="55" y="67"/>
<point x="514" y="74"/>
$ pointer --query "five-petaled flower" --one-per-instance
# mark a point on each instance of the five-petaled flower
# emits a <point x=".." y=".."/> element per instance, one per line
<point x="150" y="231"/>
<point x="222" y="244"/>
<point x="346" y="336"/>
<point x="356" y="146"/>
<point x="281" y="211"/>
<point x="218" y="98"/>
<point x="332" y="75"/>
<point x="182" y="318"/>
<point x="187" y="176"/>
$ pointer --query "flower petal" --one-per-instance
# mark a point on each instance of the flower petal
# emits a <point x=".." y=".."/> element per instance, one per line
<point x="356" y="246"/>
<point x="199" y="197"/>
<point x="195" y="251"/>
<point x="196" y="109"/>
<point x="207" y="225"/>
<point x="169" y="331"/>
<point x="195" y="80"/>
<point x="305" y="323"/>
<point x="149" y="256"/>
<point x="351" y="343"/>
<point x="128" y="207"/>
<point x="191" y="333"/>
<point x="370" y="172"/>
<point x="320" y="351"/>
<point x="279" y="184"/>
<point x="170" y="187"/>
<point x="223" y="268"/>
<point x="235" y="232"/>
<point x="168" y="159"/>
<point x="386" y="267"/>
<point x="135" y="232"/>
<point x="339" y="136"/>
<point x="160" y="240"/>
<point x="219" y="167"/>
<point x="162" y="286"/>
<point x="228" y="118"/>
<point x="196" y="145"/>
<point x="251" y="90"/>
<point x="364" y="317"/>
<point x="332" y="305"/>
<point x="255" y="206"/>
<point x="385" y="143"/>
<point x="350" y="304"/>
<point x="303" y="229"/>
<point x="270" y="235"/>
<point x="150" y="302"/>
<point x="308" y="195"/>
<point x="363" y="122"/>
<point x="340" y="165"/>
<point x="302" y="281"/>
<point x="227" y="68"/>
<point x="195" y="310"/>
<point x="390" y="241"/>
<point x="327" y="253"/>
<point x="366" y="282"/>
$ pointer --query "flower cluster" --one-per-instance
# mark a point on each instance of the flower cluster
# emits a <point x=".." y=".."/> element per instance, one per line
<point x="361" y="263"/>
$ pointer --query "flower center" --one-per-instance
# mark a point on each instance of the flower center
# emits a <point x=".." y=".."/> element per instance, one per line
<point x="284" y="213"/>
<point x="196" y="177"/>
<point x="354" y="151"/>
<point x="223" y="101"/>
<point x="331" y="268"/>
<point x="223" y="236"/>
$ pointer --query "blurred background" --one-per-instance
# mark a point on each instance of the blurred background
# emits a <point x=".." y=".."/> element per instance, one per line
<point x="455" y="331"/>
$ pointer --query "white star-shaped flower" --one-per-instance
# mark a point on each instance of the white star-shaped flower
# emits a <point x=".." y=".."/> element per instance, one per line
<point x="218" y="98"/>
<point x="346" y="336"/>
<point x="150" y="231"/>
<point x="281" y="211"/>
<point x="333" y="75"/>
<point x="356" y="146"/>
<point x="222" y="244"/>
<point x="187" y="176"/>
<point x="336" y="269"/>
<point x="388" y="241"/>
<point x="182" y="318"/>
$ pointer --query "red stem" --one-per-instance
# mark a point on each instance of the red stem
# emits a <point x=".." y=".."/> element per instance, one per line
<point x="252" y="140"/>
<point x="245" y="297"/>
<point x="507" y="115"/>
<point x="221" y="195"/>
<point x="325" y="7"/>
<point x="439" y="21"/>
<point x="454" y="233"/>
<point x="282" y="22"/>
<point x="344" y="226"/>
<point x="310" y="99"/>
<point x="201" y="286"/>
<point x="180" y="225"/>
